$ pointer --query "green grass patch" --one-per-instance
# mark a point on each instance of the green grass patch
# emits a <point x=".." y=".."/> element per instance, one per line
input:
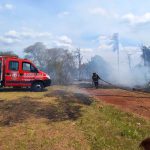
<point x="107" y="128"/>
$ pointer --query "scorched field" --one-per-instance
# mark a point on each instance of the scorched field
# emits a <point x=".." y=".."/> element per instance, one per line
<point x="73" y="118"/>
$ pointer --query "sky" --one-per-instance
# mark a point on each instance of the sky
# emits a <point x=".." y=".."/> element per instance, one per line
<point x="85" y="24"/>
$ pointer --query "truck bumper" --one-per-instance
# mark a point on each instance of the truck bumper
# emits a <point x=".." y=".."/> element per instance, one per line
<point x="47" y="82"/>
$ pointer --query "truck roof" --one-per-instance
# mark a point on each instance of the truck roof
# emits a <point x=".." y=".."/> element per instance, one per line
<point x="9" y="56"/>
<point x="12" y="57"/>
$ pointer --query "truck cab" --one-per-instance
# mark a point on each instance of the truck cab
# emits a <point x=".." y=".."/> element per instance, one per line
<point x="17" y="72"/>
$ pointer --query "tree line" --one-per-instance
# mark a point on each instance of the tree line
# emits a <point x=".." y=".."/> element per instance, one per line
<point x="62" y="65"/>
<point x="66" y="66"/>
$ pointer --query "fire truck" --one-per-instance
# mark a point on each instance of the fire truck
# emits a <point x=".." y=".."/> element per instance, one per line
<point x="16" y="72"/>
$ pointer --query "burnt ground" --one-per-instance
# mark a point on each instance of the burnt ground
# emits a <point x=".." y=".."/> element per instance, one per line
<point x="136" y="102"/>
<point x="67" y="118"/>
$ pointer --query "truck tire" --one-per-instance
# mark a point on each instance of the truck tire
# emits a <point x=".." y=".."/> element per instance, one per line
<point x="37" y="87"/>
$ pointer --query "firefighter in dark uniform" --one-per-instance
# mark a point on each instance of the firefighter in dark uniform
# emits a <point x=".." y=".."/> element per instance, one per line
<point x="95" y="79"/>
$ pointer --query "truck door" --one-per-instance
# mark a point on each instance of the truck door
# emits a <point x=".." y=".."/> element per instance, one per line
<point x="28" y="73"/>
<point x="12" y="75"/>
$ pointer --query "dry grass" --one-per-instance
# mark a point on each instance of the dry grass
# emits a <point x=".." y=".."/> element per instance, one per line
<point x="65" y="118"/>
<point x="41" y="121"/>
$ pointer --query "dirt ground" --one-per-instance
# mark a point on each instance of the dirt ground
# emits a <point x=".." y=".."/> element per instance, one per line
<point x="130" y="101"/>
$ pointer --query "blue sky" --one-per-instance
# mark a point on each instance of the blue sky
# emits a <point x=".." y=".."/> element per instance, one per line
<point x="87" y="24"/>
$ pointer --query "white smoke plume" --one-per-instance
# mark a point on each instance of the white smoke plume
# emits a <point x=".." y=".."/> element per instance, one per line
<point x="131" y="71"/>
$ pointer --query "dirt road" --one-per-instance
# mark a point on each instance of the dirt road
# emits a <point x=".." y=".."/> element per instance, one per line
<point x="135" y="102"/>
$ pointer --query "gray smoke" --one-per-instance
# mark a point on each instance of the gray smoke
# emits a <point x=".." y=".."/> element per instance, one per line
<point x="131" y="72"/>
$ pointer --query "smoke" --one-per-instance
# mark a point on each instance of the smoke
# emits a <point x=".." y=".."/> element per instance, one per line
<point x="127" y="77"/>
<point x="130" y="70"/>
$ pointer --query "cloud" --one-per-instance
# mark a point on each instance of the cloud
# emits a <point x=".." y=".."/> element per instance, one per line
<point x="8" y="41"/>
<point x="27" y="34"/>
<point x="6" y="6"/>
<point x="33" y="34"/>
<point x="12" y="36"/>
<point x="99" y="11"/>
<point x="103" y="37"/>
<point x="63" y="14"/>
<point x="133" y="19"/>
<point x="105" y="46"/>
<point x="63" y="41"/>
<point x="103" y="12"/>
<point x="105" y="42"/>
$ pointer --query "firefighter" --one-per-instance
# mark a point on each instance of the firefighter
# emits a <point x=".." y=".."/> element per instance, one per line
<point x="95" y="79"/>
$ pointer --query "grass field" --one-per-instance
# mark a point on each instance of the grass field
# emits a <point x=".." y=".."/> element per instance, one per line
<point x="64" y="118"/>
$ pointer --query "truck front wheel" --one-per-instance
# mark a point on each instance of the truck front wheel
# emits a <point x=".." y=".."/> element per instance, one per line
<point x="37" y="87"/>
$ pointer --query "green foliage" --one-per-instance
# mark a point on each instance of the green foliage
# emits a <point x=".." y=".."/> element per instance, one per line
<point x="111" y="129"/>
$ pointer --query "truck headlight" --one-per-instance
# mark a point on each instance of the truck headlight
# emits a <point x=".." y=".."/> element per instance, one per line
<point x="47" y="76"/>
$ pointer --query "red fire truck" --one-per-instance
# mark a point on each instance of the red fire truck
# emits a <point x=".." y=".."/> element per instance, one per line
<point x="17" y="72"/>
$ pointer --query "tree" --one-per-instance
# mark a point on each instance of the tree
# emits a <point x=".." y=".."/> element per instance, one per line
<point x="79" y="59"/>
<point x="59" y="63"/>
<point x="98" y="65"/>
<point x="146" y="55"/>
<point x="36" y="53"/>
